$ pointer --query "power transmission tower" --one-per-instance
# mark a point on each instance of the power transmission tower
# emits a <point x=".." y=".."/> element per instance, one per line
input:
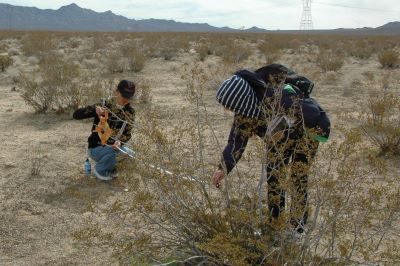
<point x="306" y="18"/>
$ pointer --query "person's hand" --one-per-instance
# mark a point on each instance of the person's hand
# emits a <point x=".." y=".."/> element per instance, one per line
<point x="99" y="111"/>
<point x="116" y="145"/>
<point x="217" y="178"/>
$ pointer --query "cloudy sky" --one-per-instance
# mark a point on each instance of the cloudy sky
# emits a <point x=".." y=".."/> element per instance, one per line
<point x="268" y="14"/>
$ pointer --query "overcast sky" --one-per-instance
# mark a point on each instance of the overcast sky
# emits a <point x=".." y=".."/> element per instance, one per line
<point x="267" y="14"/>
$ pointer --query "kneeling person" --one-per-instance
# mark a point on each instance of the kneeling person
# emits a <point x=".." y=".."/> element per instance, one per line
<point x="110" y="129"/>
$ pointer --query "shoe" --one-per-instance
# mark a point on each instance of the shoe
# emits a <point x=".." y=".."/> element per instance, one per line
<point x="101" y="177"/>
<point x="114" y="173"/>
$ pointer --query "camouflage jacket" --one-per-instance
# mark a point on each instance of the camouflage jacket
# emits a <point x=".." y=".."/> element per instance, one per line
<point x="121" y="131"/>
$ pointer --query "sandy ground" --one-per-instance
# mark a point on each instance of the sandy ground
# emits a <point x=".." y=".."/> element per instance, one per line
<point x="40" y="212"/>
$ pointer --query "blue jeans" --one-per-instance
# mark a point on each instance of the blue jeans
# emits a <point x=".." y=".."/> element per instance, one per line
<point x="104" y="156"/>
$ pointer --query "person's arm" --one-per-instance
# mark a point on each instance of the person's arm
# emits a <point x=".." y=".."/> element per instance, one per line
<point x="237" y="141"/>
<point x="85" y="112"/>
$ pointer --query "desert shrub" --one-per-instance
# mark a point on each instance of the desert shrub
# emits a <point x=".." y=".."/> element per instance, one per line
<point x="38" y="43"/>
<point x="5" y="61"/>
<point x="236" y="53"/>
<point x="99" y="42"/>
<point x="329" y="61"/>
<point x="135" y="56"/>
<point x="352" y="219"/>
<point x="203" y="51"/>
<point x="61" y="87"/>
<point x="114" y="62"/>
<point x="269" y="47"/>
<point x="380" y="121"/>
<point x="389" y="59"/>
<point x="167" y="52"/>
<point x="40" y="98"/>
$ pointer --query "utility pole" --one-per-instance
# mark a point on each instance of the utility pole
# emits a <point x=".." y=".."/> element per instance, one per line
<point x="306" y="18"/>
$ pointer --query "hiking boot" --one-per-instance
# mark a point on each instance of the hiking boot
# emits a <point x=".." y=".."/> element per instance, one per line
<point x="101" y="177"/>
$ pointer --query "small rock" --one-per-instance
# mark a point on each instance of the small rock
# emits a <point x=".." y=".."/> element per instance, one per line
<point x="126" y="190"/>
<point x="9" y="110"/>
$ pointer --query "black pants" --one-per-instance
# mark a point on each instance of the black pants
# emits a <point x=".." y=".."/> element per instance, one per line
<point x="296" y="157"/>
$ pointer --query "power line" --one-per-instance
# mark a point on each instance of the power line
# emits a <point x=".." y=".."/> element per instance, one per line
<point x="357" y="7"/>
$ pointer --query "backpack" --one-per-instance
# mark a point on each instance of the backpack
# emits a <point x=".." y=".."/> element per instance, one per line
<point x="302" y="83"/>
<point x="315" y="118"/>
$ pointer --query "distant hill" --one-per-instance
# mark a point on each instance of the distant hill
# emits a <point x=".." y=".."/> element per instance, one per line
<point x="74" y="18"/>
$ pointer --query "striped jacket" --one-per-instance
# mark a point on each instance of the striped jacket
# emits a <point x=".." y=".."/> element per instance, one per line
<point x="237" y="95"/>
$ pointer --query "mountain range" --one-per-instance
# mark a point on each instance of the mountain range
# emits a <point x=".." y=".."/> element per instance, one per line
<point x="74" y="18"/>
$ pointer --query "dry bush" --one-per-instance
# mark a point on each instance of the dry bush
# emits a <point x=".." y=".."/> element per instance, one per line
<point x="167" y="45"/>
<point x="99" y="42"/>
<point x="40" y="98"/>
<point x="380" y="121"/>
<point x="360" y="49"/>
<point x="38" y="43"/>
<point x="329" y="61"/>
<point x="236" y="53"/>
<point x="389" y="59"/>
<point x="61" y="87"/>
<point x="114" y="62"/>
<point x="135" y="56"/>
<point x="352" y="219"/>
<point x="271" y="51"/>
<point x="203" y="50"/>
<point x="5" y="61"/>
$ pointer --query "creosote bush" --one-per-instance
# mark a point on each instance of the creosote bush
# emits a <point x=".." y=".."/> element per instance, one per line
<point x="329" y="61"/>
<point x="389" y="59"/>
<point x="61" y="87"/>
<point x="352" y="217"/>
<point x="381" y="120"/>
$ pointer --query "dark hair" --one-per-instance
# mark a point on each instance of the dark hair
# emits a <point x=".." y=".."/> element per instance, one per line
<point x="126" y="88"/>
<point x="273" y="73"/>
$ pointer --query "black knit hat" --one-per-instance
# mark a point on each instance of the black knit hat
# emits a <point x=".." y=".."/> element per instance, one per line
<point x="126" y="88"/>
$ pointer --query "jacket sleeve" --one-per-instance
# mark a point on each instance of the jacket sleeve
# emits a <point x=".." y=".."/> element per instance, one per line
<point x="85" y="112"/>
<point x="237" y="142"/>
